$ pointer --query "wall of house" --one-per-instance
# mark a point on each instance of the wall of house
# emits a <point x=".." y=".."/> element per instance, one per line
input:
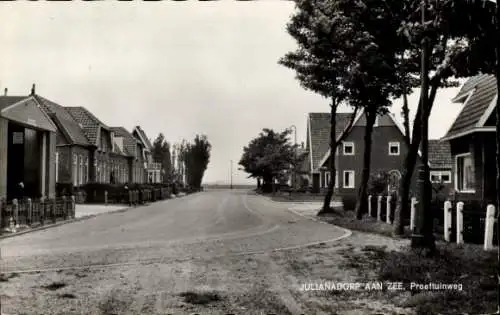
<point x="64" y="164"/>
<point x="121" y="167"/>
<point x="381" y="161"/>
<point x="4" y="138"/>
<point x="51" y="167"/>
<point x="482" y="147"/>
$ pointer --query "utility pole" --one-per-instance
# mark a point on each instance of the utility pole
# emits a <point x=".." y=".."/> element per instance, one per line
<point x="294" y="175"/>
<point x="423" y="236"/>
<point x="231" y="172"/>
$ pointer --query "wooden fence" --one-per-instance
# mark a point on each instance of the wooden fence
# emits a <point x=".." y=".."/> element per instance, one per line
<point x="32" y="213"/>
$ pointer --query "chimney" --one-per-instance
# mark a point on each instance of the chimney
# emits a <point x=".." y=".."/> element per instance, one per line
<point x="5" y="92"/>
<point x="33" y="89"/>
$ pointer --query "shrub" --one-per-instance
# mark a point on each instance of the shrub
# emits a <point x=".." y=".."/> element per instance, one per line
<point x="377" y="184"/>
<point x="64" y="189"/>
<point x="349" y="202"/>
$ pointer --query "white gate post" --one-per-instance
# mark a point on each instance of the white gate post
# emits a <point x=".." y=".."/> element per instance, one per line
<point x="379" y="207"/>
<point x="388" y="210"/>
<point x="447" y="220"/>
<point x="369" y="205"/>
<point x="412" y="213"/>
<point x="460" y="222"/>
<point x="488" y="231"/>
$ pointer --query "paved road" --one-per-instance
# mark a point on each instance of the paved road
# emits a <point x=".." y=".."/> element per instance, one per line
<point x="206" y="225"/>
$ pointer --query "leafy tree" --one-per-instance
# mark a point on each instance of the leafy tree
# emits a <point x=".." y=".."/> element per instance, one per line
<point x="320" y="62"/>
<point x="196" y="157"/>
<point x="268" y="156"/>
<point x="161" y="154"/>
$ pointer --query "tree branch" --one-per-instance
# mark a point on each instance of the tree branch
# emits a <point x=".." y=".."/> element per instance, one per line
<point x="348" y="128"/>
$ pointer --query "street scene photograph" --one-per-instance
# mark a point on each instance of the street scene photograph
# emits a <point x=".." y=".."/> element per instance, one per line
<point x="250" y="157"/>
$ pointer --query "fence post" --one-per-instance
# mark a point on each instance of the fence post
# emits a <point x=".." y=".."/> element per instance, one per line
<point x="379" y="207"/>
<point x="488" y="231"/>
<point x="15" y="210"/>
<point x="369" y="205"/>
<point x="73" y="207"/>
<point x="65" y="209"/>
<point x="42" y="210"/>
<point x="388" y="210"/>
<point x="460" y="222"/>
<point x="447" y="221"/>
<point x="29" y="214"/>
<point x="105" y="197"/>
<point x="54" y="210"/>
<point x="412" y="213"/>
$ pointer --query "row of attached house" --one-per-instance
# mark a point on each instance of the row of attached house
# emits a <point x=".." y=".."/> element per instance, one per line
<point x="388" y="153"/>
<point x="43" y="143"/>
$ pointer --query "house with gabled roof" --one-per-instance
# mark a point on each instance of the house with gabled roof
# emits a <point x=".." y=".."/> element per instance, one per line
<point x="472" y="140"/>
<point x="153" y="168"/>
<point x="134" y="149"/>
<point x="27" y="148"/>
<point x="74" y="152"/>
<point x="109" y="161"/>
<point x="389" y="150"/>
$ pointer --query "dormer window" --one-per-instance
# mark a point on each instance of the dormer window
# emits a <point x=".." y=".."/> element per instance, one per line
<point x="348" y="148"/>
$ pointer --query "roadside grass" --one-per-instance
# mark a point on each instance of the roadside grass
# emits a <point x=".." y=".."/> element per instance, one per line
<point x="468" y="266"/>
<point x="54" y="286"/>
<point x="5" y="277"/>
<point x="294" y="196"/>
<point x="348" y="220"/>
<point x="200" y="298"/>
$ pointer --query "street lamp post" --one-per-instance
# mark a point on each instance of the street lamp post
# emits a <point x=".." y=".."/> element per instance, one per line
<point x="231" y="175"/>
<point x="294" y="176"/>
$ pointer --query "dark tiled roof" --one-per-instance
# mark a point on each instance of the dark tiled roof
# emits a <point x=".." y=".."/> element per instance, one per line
<point x="476" y="106"/>
<point x="320" y="133"/>
<point x="10" y="100"/>
<point x="129" y="141"/>
<point x="64" y="121"/>
<point x="440" y="154"/>
<point x="143" y="135"/>
<point x="89" y="122"/>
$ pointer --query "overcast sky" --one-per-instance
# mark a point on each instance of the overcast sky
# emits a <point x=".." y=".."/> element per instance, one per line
<point x="180" y="68"/>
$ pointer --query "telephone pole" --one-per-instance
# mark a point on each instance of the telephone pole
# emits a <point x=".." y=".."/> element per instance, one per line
<point x="231" y="172"/>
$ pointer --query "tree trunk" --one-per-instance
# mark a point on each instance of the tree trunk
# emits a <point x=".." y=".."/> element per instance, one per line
<point x="403" y="203"/>
<point x="497" y="73"/>
<point x="361" y="203"/>
<point x="406" y="119"/>
<point x="258" y="183"/>
<point x="333" y="147"/>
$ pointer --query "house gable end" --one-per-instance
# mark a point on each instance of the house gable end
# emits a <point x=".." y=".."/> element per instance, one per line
<point x="28" y="112"/>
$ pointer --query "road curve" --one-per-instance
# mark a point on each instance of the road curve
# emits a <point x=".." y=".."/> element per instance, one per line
<point x="207" y="224"/>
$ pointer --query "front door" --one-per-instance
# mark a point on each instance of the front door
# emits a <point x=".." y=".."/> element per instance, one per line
<point x="315" y="183"/>
<point x="15" y="161"/>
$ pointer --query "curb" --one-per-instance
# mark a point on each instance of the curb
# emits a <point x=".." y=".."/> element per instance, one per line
<point x="41" y="228"/>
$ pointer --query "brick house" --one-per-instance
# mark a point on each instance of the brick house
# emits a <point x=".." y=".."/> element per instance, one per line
<point x="108" y="161"/>
<point x="27" y="148"/>
<point x="472" y="140"/>
<point x="441" y="166"/>
<point x="153" y="169"/>
<point x="74" y="151"/>
<point x="132" y="148"/>
<point x="389" y="150"/>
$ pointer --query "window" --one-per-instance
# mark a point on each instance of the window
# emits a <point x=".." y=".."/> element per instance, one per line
<point x="464" y="173"/>
<point x="57" y="167"/>
<point x="348" y="179"/>
<point x="348" y="148"/>
<point x="80" y="170"/>
<point x="86" y="170"/>
<point x="441" y="177"/>
<point x="393" y="148"/>
<point x="75" y="170"/>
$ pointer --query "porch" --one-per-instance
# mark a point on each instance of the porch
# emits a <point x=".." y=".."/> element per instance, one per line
<point x="27" y="151"/>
